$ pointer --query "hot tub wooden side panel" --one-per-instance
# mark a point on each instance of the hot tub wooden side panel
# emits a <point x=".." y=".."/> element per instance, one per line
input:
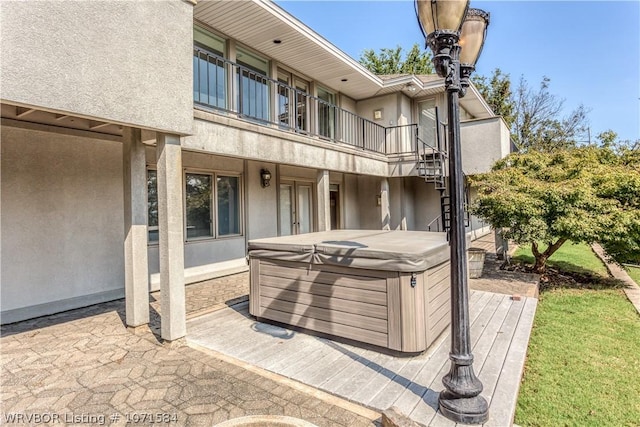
<point x="370" y="306"/>
<point x="437" y="301"/>
<point x="340" y="301"/>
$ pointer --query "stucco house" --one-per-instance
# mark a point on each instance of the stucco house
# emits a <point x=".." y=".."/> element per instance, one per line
<point x="144" y="143"/>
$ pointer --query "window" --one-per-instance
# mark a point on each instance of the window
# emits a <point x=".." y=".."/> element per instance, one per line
<point x="152" y="203"/>
<point x="228" y="205"/>
<point x="326" y="113"/>
<point x="209" y="75"/>
<point x="284" y="96"/>
<point x="198" y="205"/>
<point x="253" y="85"/>
<point x="200" y="214"/>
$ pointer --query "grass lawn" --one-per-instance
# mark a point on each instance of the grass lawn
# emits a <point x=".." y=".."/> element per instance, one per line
<point x="583" y="361"/>
<point x="634" y="272"/>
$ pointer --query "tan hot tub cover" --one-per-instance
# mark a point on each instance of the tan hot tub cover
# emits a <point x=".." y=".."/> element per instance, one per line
<point x="403" y="251"/>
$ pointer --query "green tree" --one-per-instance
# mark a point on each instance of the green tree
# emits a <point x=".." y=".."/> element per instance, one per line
<point x="391" y="61"/>
<point x="587" y="194"/>
<point x="496" y="90"/>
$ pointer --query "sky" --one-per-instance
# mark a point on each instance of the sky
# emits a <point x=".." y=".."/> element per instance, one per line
<point x="589" y="49"/>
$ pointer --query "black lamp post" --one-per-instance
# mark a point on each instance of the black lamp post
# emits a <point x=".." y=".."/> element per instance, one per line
<point x="456" y="34"/>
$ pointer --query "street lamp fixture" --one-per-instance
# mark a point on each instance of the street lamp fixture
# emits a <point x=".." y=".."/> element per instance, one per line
<point x="455" y="34"/>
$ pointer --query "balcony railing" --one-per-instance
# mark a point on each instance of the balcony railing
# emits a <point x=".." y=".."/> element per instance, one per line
<point x="227" y="86"/>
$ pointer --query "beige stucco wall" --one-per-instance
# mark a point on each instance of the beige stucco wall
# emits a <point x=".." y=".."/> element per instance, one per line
<point x="62" y="221"/>
<point x="262" y="203"/>
<point x="426" y="203"/>
<point x="370" y="212"/>
<point x="351" y="207"/>
<point x="236" y="138"/>
<point x="347" y="103"/>
<point x="483" y="143"/>
<point x="128" y="62"/>
<point x="388" y="103"/>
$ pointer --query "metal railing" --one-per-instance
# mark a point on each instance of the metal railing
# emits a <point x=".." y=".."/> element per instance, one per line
<point x="402" y="139"/>
<point x="224" y="85"/>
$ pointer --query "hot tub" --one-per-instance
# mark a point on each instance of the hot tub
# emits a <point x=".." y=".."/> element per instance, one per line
<point x="386" y="288"/>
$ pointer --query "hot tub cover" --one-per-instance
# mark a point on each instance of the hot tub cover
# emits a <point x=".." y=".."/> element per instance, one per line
<point x="406" y="251"/>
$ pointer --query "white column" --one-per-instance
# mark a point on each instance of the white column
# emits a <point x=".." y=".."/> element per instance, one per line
<point x="170" y="224"/>
<point x="136" y="270"/>
<point x="385" y="211"/>
<point x="323" y="197"/>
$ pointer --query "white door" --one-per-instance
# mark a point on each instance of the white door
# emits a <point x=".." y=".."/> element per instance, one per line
<point x="296" y="208"/>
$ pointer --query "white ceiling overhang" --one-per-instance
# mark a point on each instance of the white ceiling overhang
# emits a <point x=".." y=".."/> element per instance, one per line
<point x="257" y="23"/>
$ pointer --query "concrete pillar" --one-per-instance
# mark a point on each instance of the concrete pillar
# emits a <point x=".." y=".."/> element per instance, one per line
<point x="170" y="223"/>
<point x="136" y="270"/>
<point x="323" y="197"/>
<point x="385" y="209"/>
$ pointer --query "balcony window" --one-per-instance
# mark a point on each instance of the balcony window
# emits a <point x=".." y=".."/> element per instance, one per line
<point x="326" y="114"/>
<point x="209" y="76"/>
<point x="253" y="86"/>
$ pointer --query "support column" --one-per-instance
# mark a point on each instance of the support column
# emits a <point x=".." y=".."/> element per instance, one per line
<point x="385" y="208"/>
<point x="323" y="197"/>
<point x="170" y="223"/>
<point x="136" y="270"/>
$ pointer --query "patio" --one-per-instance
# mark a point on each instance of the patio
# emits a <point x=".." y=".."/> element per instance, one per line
<point x="500" y="328"/>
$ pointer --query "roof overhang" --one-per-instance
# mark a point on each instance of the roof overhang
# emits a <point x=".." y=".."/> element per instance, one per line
<point x="258" y="23"/>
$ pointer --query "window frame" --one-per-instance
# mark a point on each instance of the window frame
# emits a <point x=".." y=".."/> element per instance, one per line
<point x="214" y="201"/>
<point x="214" y="174"/>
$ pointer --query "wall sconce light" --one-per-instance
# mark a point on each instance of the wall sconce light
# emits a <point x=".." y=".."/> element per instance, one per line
<point x="379" y="200"/>
<point x="265" y="178"/>
<point x="377" y="114"/>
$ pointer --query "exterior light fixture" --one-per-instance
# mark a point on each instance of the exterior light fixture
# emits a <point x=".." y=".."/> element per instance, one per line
<point x="277" y="41"/>
<point x="265" y="178"/>
<point x="410" y="87"/>
<point x="455" y="34"/>
<point x="472" y="35"/>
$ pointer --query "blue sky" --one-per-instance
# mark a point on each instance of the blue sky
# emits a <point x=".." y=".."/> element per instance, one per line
<point x="589" y="49"/>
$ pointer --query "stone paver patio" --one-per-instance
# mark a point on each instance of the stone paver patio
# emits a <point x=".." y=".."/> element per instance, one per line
<point x="85" y="367"/>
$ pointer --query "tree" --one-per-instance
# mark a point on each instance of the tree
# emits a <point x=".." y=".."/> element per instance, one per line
<point x="587" y="194"/>
<point x="390" y="61"/>
<point x="537" y="123"/>
<point x="497" y="92"/>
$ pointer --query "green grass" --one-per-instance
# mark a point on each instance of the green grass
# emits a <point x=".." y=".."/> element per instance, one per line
<point x="634" y="272"/>
<point x="583" y="360"/>
<point x="577" y="258"/>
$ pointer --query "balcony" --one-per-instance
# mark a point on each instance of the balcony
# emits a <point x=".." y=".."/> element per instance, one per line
<point x="228" y="87"/>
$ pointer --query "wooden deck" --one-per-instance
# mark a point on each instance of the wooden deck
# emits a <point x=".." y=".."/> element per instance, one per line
<point x="500" y="329"/>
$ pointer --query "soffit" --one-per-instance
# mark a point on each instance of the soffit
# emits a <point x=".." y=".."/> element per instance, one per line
<point x="257" y="23"/>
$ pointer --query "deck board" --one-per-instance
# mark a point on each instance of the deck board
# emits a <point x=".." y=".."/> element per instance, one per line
<point x="500" y="330"/>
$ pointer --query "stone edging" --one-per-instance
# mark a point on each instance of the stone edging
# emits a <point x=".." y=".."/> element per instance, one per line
<point x="632" y="290"/>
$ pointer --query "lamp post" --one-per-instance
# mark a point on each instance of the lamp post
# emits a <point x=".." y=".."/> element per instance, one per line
<point x="456" y="34"/>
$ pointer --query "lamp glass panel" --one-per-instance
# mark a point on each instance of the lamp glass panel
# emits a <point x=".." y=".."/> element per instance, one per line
<point x="450" y="14"/>
<point x="471" y="39"/>
<point x="441" y="14"/>
<point x="426" y="12"/>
